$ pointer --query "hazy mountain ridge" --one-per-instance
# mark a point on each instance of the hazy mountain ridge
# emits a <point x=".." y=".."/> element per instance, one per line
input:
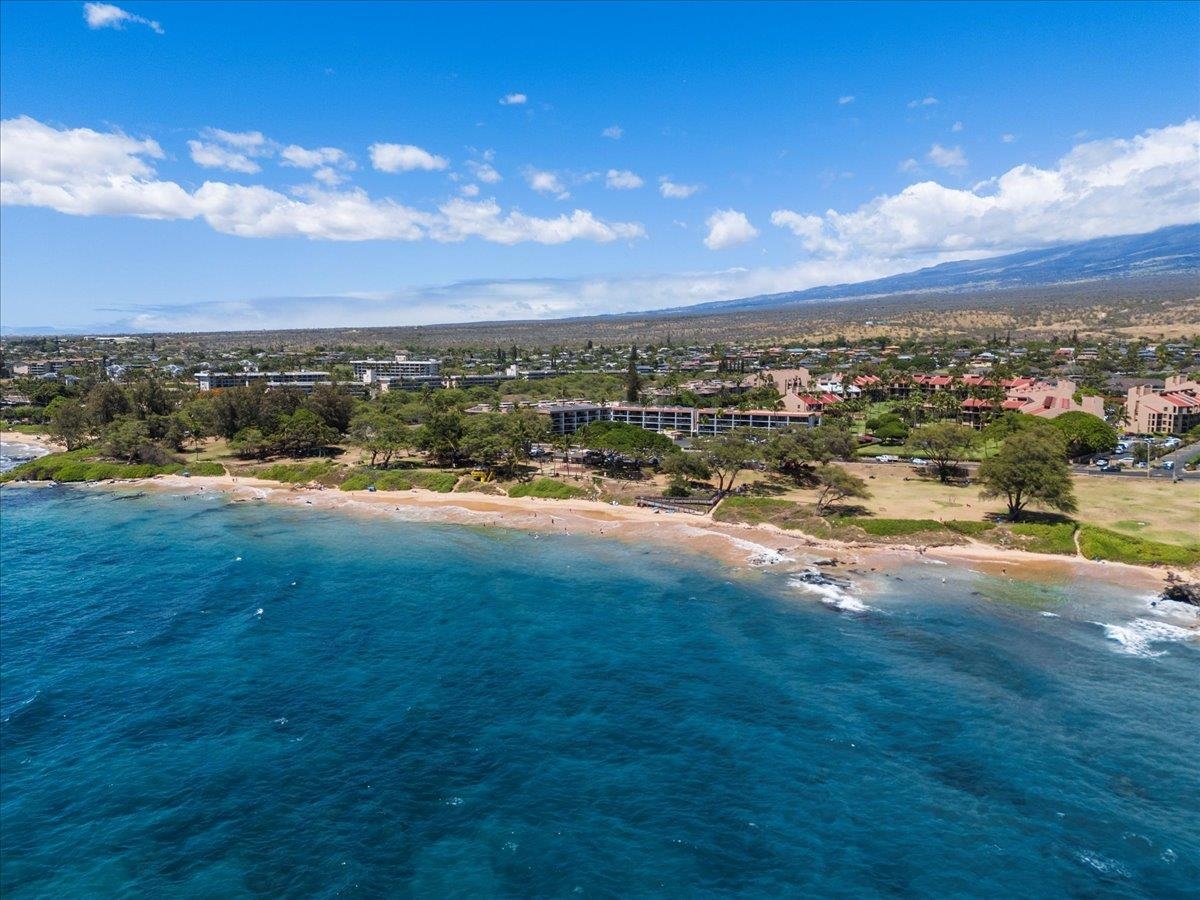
<point x="1168" y="251"/>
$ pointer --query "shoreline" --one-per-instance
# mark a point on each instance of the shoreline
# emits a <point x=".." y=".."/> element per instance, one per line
<point x="31" y="440"/>
<point x="748" y="547"/>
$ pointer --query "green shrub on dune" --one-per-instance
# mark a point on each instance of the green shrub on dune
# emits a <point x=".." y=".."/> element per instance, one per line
<point x="1100" y="543"/>
<point x="893" y="527"/>
<point x="968" y="527"/>
<point x="204" y="469"/>
<point x="385" y="480"/>
<point x="297" y="473"/>
<point x="1041" y="538"/>
<point x="82" y="465"/>
<point x="546" y="488"/>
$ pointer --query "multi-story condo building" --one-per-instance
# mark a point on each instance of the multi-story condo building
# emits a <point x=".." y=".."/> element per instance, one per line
<point x="568" y="416"/>
<point x="372" y="370"/>
<point x="302" y="380"/>
<point x="1172" y="409"/>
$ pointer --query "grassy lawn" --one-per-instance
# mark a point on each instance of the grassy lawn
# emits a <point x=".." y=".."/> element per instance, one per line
<point x="1154" y="509"/>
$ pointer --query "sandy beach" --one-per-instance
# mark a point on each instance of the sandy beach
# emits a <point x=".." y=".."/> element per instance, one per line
<point x="740" y="546"/>
<point x="31" y="440"/>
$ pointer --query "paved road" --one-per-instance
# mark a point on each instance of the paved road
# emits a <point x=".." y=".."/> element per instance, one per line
<point x="1137" y="473"/>
<point x="1184" y="455"/>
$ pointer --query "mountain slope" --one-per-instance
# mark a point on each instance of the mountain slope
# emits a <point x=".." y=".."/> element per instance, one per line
<point x="1168" y="251"/>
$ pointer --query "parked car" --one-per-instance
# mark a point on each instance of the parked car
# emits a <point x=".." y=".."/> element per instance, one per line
<point x="1169" y="465"/>
<point x="917" y="461"/>
<point x="1126" y="460"/>
<point x="887" y="458"/>
<point x="1102" y="462"/>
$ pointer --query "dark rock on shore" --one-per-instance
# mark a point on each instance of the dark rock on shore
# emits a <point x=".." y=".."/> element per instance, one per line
<point x="1179" y="592"/>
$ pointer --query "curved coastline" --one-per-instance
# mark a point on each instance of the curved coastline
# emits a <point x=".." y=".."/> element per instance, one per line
<point x="737" y="545"/>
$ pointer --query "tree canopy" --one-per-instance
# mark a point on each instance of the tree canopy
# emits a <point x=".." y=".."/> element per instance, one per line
<point x="1030" y="468"/>
<point x="728" y="454"/>
<point x="944" y="444"/>
<point x="1085" y="433"/>
<point x="621" y="437"/>
<point x="795" y="451"/>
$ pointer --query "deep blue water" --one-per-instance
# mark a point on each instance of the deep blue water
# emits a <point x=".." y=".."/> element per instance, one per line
<point x="203" y="698"/>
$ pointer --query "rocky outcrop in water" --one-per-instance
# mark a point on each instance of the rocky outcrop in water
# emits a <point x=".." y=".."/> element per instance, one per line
<point x="1180" y="592"/>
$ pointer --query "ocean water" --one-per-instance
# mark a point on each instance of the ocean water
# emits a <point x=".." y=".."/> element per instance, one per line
<point x="202" y="698"/>
<point x="12" y="454"/>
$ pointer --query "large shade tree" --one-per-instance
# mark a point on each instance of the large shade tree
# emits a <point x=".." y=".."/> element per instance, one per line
<point x="1030" y="468"/>
<point x="944" y="444"/>
<point x="1085" y="433"/>
<point x="728" y="454"/>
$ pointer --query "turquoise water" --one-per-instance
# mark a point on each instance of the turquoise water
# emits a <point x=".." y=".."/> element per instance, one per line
<point x="204" y="698"/>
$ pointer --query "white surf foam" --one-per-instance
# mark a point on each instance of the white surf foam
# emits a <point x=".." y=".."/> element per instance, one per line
<point x="831" y="595"/>
<point x="1137" y="638"/>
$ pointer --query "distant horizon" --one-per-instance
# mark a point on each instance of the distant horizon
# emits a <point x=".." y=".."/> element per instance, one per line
<point x="693" y="309"/>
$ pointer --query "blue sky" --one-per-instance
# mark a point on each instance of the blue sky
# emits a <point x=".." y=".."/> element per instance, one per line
<point x="172" y="165"/>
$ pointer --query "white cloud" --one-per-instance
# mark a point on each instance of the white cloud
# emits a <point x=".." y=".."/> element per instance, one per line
<point x="405" y="158"/>
<point x="1105" y="187"/>
<point x="613" y="131"/>
<point x="728" y="228"/>
<point x="215" y="156"/>
<point x="513" y="100"/>
<point x="810" y="230"/>
<point x="301" y="158"/>
<point x="88" y="173"/>
<point x="674" y="191"/>
<point x="1008" y="138"/>
<point x="497" y="300"/>
<point x="544" y="182"/>
<point x="463" y="218"/>
<point x="622" y="180"/>
<point x="230" y="150"/>
<point x="469" y="190"/>
<point x="908" y="165"/>
<point x="105" y="15"/>
<point x="925" y="101"/>
<point x="947" y="157"/>
<point x="484" y="171"/>
<point x="253" y="142"/>
<point x="847" y="98"/>
<point x="956" y="127"/>
<point x="37" y="152"/>
<point x="329" y="176"/>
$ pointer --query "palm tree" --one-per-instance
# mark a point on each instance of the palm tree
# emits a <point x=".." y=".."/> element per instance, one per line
<point x="565" y="442"/>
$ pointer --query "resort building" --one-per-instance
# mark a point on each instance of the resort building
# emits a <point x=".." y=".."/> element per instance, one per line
<point x="1045" y="399"/>
<point x="370" y="371"/>
<point x="42" y="367"/>
<point x="568" y="416"/>
<point x="301" y="380"/>
<point x="1172" y="409"/>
